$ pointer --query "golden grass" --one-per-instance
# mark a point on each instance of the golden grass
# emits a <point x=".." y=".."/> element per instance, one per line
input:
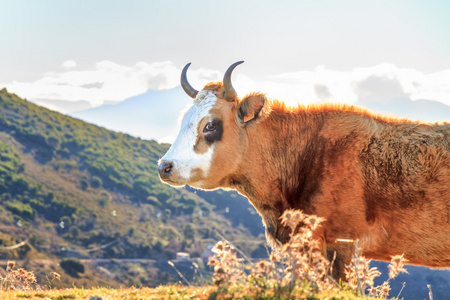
<point x="162" y="292"/>
<point x="171" y="292"/>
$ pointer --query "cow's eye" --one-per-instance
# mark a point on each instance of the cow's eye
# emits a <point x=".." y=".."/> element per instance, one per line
<point x="213" y="131"/>
<point x="209" y="127"/>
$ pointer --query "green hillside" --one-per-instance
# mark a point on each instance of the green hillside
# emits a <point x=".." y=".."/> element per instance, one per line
<point x="74" y="189"/>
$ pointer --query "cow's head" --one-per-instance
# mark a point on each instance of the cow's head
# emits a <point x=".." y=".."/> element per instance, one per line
<point x="212" y="138"/>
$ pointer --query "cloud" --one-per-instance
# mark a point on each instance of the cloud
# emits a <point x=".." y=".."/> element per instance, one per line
<point x="167" y="140"/>
<point x="379" y="83"/>
<point x="376" y="88"/>
<point x="107" y="82"/>
<point x="68" y="64"/>
<point x="322" y="91"/>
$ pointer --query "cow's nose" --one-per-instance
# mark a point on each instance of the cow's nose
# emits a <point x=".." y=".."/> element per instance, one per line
<point x="164" y="170"/>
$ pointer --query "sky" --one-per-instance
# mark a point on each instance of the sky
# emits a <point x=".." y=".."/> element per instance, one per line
<point x="88" y="53"/>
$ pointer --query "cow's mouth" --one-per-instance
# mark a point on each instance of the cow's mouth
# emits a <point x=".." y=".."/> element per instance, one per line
<point x="173" y="180"/>
<point x="174" y="183"/>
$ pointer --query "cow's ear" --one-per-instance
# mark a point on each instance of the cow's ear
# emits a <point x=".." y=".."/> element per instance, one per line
<point x="250" y="107"/>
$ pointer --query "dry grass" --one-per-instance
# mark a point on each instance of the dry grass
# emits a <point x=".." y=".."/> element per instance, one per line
<point x="162" y="292"/>
<point x="165" y="292"/>
<point x="20" y="279"/>
<point x="361" y="277"/>
<point x="298" y="263"/>
<point x="297" y="271"/>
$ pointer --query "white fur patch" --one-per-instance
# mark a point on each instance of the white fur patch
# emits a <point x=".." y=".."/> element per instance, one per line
<point x="182" y="153"/>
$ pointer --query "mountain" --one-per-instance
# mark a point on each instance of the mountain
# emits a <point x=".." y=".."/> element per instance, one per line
<point x="155" y="114"/>
<point x="425" y="110"/>
<point x="73" y="189"/>
<point x="152" y="115"/>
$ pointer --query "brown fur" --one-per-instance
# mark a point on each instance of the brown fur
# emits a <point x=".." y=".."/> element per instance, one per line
<point x="384" y="181"/>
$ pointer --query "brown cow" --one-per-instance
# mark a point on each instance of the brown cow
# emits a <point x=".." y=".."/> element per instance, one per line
<point x="383" y="181"/>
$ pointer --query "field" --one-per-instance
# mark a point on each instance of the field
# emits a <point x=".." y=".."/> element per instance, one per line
<point x="162" y="292"/>
<point x="170" y="292"/>
<point x="296" y="271"/>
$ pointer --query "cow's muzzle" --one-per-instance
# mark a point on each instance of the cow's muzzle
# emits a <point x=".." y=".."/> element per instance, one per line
<point x="165" y="168"/>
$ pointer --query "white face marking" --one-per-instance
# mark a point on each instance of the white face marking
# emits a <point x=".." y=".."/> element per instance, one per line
<point x="182" y="153"/>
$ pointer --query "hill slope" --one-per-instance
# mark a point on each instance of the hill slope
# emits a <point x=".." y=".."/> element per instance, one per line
<point x="75" y="189"/>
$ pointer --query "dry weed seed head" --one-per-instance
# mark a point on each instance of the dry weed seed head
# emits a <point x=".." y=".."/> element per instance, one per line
<point x="10" y="265"/>
<point x="384" y="290"/>
<point x="30" y="278"/>
<point x="261" y="269"/>
<point x="273" y="257"/>
<point x="213" y="261"/>
<point x="21" y="272"/>
<point x="313" y="221"/>
<point x="359" y="274"/>
<point x="292" y="218"/>
<point x="227" y="266"/>
<point x="56" y="275"/>
<point x="397" y="266"/>
<point x="361" y="277"/>
<point x="219" y="246"/>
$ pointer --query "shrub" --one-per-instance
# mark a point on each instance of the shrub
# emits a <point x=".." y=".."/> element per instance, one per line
<point x="96" y="182"/>
<point x="72" y="266"/>
<point x="74" y="232"/>
<point x="21" y="209"/>
<point x="153" y="201"/>
<point x="105" y="199"/>
<point x="84" y="184"/>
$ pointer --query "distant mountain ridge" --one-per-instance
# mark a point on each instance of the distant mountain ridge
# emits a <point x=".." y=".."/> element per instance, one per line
<point x="155" y="114"/>
<point x="152" y="115"/>
<point x="424" y="110"/>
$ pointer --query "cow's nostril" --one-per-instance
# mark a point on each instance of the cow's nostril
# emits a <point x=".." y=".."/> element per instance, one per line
<point x="165" y="169"/>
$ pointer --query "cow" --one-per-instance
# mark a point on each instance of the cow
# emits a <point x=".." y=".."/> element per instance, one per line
<point x="383" y="181"/>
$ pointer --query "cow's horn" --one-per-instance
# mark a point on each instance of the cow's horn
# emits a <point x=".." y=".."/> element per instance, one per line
<point x="185" y="83"/>
<point x="230" y="93"/>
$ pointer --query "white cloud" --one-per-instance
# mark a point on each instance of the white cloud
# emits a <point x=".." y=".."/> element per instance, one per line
<point x="167" y="140"/>
<point x="69" y="64"/>
<point x="108" y="81"/>
<point x="377" y="83"/>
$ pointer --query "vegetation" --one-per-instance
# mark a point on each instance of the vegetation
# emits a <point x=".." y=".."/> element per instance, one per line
<point x="74" y="192"/>
<point x="72" y="266"/>
<point x="72" y="189"/>
<point x="297" y="271"/>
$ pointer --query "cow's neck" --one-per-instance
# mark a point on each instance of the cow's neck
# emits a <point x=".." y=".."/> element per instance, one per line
<point x="282" y="168"/>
